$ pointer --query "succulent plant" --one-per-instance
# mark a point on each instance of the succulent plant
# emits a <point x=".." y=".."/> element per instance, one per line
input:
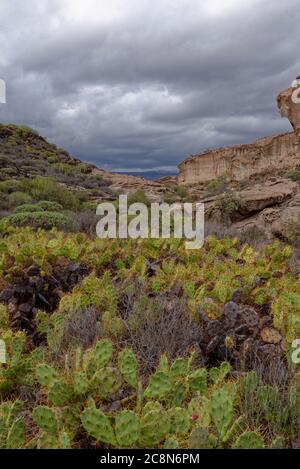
<point x="221" y="411"/>
<point x="96" y="423"/>
<point x="127" y="428"/>
<point x="127" y="364"/>
<point x="249" y="440"/>
<point x="45" y="418"/>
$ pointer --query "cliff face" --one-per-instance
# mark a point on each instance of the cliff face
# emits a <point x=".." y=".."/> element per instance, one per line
<point x="264" y="156"/>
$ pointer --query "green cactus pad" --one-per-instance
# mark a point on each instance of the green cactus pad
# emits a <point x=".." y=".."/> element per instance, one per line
<point x="81" y="383"/>
<point x="127" y="364"/>
<point x="180" y="420"/>
<point x="106" y="382"/>
<point x="103" y="352"/>
<point x="60" y="393"/>
<point x="16" y="435"/>
<point x="163" y="364"/>
<point x="160" y="385"/>
<point x="64" y="440"/>
<point x="198" y="381"/>
<point x="179" y="393"/>
<point x="48" y="441"/>
<point x="199" y="439"/>
<point x="155" y="425"/>
<point x="151" y="405"/>
<point x="45" y="418"/>
<point x="127" y="428"/>
<point x="45" y="374"/>
<point x="199" y="408"/>
<point x="221" y="410"/>
<point x="171" y="443"/>
<point x="179" y="368"/>
<point x="249" y="440"/>
<point x="97" y="425"/>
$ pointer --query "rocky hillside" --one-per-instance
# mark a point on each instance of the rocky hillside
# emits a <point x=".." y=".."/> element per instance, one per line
<point x="253" y="186"/>
<point x="25" y="154"/>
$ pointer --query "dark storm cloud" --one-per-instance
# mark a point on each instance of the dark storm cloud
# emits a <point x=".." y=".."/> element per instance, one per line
<point x="141" y="84"/>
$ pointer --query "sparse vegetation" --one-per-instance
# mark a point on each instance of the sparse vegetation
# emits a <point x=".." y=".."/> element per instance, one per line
<point x="123" y="357"/>
<point x="294" y="175"/>
<point x="218" y="186"/>
<point x="137" y="343"/>
<point x="229" y="206"/>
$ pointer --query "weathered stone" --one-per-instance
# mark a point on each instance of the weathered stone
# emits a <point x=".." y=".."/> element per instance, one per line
<point x="289" y="107"/>
<point x="262" y="157"/>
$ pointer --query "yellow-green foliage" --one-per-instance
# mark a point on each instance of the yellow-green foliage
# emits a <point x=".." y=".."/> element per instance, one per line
<point x="180" y="405"/>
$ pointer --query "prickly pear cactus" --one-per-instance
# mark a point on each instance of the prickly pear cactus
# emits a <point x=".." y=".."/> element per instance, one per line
<point x="106" y="382"/>
<point x="199" y="410"/>
<point x="96" y="423"/>
<point x="60" y="393"/>
<point x="155" y="426"/>
<point x="45" y="418"/>
<point x="199" y="438"/>
<point x="102" y="352"/>
<point x="219" y="374"/>
<point x="221" y="411"/>
<point x="127" y="364"/>
<point x="16" y="435"/>
<point x="98" y="357"/>
<point x="45" y="374"/>
<point x="198" y="380"/>
<point x="81" y="383"/>
<point x="180" y="421"/>
<point x="179" y="368"/>
<point x="249" y="440"/>
<point x="127" y="428"/>
<point x="160" y="385"/>
<point x="171" y="443"/>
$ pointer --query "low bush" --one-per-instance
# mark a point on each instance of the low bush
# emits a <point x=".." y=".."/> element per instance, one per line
<point x="294" y="175"/>
<point x="44" y="205"/>
<point x="42" y="188"/>
<point x="228" y="206"/>
<point x="216" y="187"/>
<point x="138" y="197"/>
<point x="18" y="198"/>
<point x="41" y="219"/>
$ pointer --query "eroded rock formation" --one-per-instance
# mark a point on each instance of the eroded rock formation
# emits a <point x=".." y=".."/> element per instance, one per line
<point x="266" y="155"/>
<point x="288" y="102"/>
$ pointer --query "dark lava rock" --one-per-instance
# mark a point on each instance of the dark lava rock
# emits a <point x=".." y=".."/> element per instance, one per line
<point x="237" y="295"/>
<point x="236" y="337"/>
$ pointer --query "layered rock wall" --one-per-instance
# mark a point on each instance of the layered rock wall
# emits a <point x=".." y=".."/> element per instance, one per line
<point x="264" y="156"/>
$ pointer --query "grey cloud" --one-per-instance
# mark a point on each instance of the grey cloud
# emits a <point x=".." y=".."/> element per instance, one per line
<point x="156" y="81"/>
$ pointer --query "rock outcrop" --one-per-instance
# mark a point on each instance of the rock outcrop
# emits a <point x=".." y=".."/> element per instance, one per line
<point x="288" y="104"/>
<point x="267" y="155"/>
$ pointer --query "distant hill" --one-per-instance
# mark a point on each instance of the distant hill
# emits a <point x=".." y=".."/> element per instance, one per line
<point x="34" y="171"/>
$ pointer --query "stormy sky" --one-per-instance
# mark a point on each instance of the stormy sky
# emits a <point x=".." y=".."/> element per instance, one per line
<point x="138" y="85"/>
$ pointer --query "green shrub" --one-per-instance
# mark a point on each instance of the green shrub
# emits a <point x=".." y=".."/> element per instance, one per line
<point x="44" y="205"/>
<point x="89" y="206"/>
<point x="294" y="175"/>
<point x="42" y="188"/>
<point x="216" y="187"/>
<point x="229" y="205"/>
<point x="292" y="233"/>
<point x="48" y="206"/>
<point x="18" y="198"/>
<point x="22" y="131"/>
<point x="42" y="219"/>
<point x="9" y="186"/>
<point x="138" y="197"/>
